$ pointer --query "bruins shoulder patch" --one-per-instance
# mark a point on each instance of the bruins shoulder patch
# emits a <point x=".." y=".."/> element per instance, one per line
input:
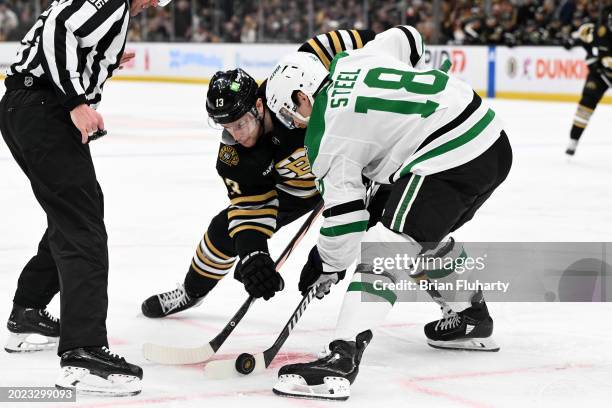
<point x="229" y="155"/>
<point x="602" y="31"/>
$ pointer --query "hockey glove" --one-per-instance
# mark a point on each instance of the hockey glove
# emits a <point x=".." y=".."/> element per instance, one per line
<point x="258" y="274"/>
<point x="312" y="275"/>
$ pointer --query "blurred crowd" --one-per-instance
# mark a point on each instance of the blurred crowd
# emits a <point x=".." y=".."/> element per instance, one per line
<point x="502" y="22"/>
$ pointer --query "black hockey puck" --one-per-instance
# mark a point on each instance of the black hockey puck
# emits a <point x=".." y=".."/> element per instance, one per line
<point x="245" y="363"/>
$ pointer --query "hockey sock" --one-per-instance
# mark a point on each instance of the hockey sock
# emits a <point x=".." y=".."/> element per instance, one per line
<point x="444" y="264"/>
<point x="365" y="304"/>
<point x="369" y="297"/>
<point x="208" y="266"/>
<point x="581" y="120"/>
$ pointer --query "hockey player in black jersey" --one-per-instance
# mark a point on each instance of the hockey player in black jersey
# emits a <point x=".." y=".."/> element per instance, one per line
<point x="269" y="184"/>
<point x="597" y="40"/>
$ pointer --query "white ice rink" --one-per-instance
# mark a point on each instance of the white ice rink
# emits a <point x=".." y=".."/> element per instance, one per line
<point x="157" y="170"/>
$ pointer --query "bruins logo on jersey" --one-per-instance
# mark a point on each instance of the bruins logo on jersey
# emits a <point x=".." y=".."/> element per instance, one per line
<point x="296" y="176"/>
<point x="296" y="165"/>
<point x="229" y="155"/>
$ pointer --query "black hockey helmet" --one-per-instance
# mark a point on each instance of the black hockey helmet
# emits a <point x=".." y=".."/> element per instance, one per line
<point x="230" y="95"/>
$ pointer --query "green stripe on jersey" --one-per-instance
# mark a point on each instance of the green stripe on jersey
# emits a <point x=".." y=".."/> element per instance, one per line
<point x="367" y="287"/>
<point x="332" y="66"/>
<point x="316" y="126"/>
<point x="343" y="229"/>
<point x="459" y="141"/>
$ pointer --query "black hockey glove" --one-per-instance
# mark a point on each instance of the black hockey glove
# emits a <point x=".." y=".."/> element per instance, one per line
<point x="312" y="274"/>
<point x="258" y="274"/>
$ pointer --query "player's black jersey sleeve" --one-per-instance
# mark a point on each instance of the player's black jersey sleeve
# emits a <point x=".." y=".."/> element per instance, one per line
<point x="597" y="41"/>
<point x="326" y="46"/>
<point x="602" y="43"/>
<point x="248" y="175"/>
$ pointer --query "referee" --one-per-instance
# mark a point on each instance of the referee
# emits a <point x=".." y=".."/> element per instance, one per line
<point x="47" y="118"/>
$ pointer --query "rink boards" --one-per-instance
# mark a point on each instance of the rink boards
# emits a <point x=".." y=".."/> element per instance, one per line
<point x="534" y="73"/>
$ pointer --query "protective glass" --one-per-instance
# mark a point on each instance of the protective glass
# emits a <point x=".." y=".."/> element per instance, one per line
<point x="242" y="124"/>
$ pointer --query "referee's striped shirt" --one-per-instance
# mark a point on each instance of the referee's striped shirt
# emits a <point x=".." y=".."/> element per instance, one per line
<point x="75" y="45"/>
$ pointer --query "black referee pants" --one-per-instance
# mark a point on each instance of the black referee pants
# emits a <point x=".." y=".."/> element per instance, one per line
<point x="72" y="255"/>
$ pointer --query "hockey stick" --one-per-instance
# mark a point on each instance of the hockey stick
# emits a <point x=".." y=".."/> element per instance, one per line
<point x="247" y="363"/>
<point x="605" y="79"/>
<point x="192" y="355"/>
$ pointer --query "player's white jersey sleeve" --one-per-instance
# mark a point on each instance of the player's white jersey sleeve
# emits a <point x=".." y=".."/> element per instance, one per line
<point x="402" y="42"/>
<point x="340" y="182"/>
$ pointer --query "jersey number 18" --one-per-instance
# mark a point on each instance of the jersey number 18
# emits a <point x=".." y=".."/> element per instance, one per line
<point x="406" y="81"/>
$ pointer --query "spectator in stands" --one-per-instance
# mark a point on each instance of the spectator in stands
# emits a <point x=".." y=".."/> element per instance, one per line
<point x="502" y="22"/>
<point x="249" y="30"/>
<point x="159" y="25"/>
<point x="182" y="20"/>
<point x="8" y="21"/>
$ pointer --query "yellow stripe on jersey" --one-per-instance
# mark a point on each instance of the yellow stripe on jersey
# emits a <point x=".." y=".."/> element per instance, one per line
<point x="300" y="183"/>
<point x="337" y="47"/>
<point x="251" y="227"/>
<point x="208" y="262"/>
<point x="263" y="211"/>
<point x="206" y="274"/>
<point x="357" y="38"/>
<point x="260" y="197"/>
<point x="213" y="249"/>
<point x="319" y="52"/>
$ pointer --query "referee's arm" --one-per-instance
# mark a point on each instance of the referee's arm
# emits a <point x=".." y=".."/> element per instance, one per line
<point x="70" y="27"/>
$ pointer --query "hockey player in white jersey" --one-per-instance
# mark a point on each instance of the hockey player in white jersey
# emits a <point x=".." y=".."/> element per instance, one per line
<point x="379" y="114"/>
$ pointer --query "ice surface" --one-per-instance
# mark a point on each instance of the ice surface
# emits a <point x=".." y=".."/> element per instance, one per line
<point x="157" y="170"/>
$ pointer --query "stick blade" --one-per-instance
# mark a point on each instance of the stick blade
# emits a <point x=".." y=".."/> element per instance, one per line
<point x="177" y="355"/>
<point x="224" y="369"/>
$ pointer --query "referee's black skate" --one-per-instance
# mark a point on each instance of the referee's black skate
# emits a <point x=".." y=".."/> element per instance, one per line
<point x="26" y="324"/>
<point x="168" y="303"/>
<point x="97" y="371"/>
<point x="327" y="378"/>
<point x="470" y="329"/>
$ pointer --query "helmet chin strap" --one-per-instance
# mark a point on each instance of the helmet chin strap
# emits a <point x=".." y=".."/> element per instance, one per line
<point x="260" y="119"/>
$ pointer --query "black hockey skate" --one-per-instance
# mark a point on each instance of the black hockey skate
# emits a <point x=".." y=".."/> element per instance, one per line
<point x="571" y="147"/>
<point x="327" y="378"/>
<point x="168" y="303"/>
<point x="470" y="329"/>
<point x="25" y="324"/>
<point x="97" y="371"/>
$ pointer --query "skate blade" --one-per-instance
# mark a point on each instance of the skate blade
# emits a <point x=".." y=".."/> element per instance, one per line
<point x="85" y="383"/>
<point x="471" y="344"/>
<point x="293" y="385"/>
<point x="25" y="343"/>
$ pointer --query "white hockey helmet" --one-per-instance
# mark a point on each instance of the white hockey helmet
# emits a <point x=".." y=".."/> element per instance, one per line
<point x="163" y="3"/>
<point x="299" y="71"/>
